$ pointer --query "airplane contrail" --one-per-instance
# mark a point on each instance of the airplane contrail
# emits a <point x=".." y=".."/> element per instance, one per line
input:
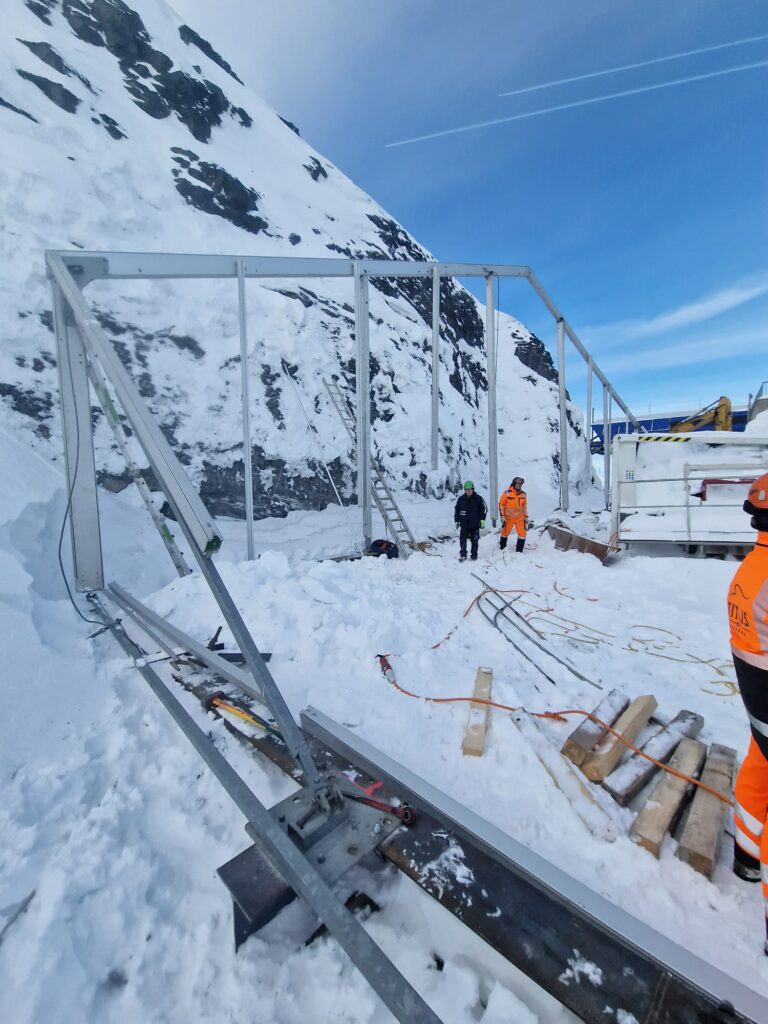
<point x="632" y="67"/>
<point x="575" y="103"/>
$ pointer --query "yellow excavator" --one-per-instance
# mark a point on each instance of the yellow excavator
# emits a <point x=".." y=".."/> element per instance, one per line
<point x="718" y="413"/>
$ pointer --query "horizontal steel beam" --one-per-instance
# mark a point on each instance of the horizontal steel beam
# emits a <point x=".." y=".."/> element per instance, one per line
<point x="126" y="265"/>
<point x="639" y="940"/>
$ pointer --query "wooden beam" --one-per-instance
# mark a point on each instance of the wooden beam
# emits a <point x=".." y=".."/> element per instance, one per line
<point x="585" y="738"/>
<point x="581" y="796"/>
<point x="704" y="827"/>
<point x="609" y="752"/>
<point x="477" y="723"/>
<point x="626" y="781"/>
<point x="665" y="804"/>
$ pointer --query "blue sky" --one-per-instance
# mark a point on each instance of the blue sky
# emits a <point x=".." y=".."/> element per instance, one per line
<point x="645" y="217"/>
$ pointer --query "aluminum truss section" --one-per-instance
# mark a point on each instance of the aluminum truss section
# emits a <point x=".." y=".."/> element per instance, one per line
<point x="282" y="853"/>
<point x="190" y="512"/>
<point x="102" y="393"/>
<point x="669" y="984"/>
<point x="170" y="474"/>
<point x="82" y="503"/>
<point x="382" y="496"/>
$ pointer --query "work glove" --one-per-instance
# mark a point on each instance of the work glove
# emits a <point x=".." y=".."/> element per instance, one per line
<point x="456" y="525"/>
<point x="482" y="524"/>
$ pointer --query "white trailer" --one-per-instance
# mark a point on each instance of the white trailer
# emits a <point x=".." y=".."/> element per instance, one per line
<point x="685" y="489"/>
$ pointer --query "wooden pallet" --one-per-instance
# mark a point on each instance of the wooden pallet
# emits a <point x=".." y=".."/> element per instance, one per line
<point x="602" y="757"/>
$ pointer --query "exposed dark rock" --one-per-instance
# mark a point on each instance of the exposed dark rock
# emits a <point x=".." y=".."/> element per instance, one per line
<point x="149" y="77"/>
<point x="54" y="60"/>
<point x="190" y="37"/>
<point x="268" y="378"/>
<point x="42" y="8"/>
<point x="291" y="125"/>
<point x="112" y="126"/>
<point x="197" y="103"/>
<point x="532" y="353"/>
<point x="304" y="296"/>
<point x="55" y="92"/>
<point x="294" y="239"/>
<point x="28" y="402"/>
<point x="220" y="194"/>
<point x="277" y="488"/>
<point x="315" y="169"/>
<point x="17" y="110"/>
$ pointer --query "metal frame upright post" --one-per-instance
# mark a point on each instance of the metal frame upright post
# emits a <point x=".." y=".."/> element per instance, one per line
<point x="607" y="444"/>
<point x="247" y="455"/>
<point x="493" y="433"/>
<point x="588" y="424"/>
<point x="563" y="414"/>
<point x="435" y="362"/>
<point x="362" y="387"/>
<point x="79" y="459"/>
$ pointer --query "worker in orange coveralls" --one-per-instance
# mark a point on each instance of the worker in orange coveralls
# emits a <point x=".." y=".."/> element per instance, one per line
<point x="513" y="507"/>
<point x="748" y="616"/>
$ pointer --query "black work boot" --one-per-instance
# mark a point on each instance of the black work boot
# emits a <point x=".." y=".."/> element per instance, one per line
<point x="745" y="866"/>
<point x="502" y="542"/>
<point x="520" y="544"/>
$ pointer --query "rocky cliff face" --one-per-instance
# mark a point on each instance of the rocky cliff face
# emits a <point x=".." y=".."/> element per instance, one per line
<point x="124" y="129"/>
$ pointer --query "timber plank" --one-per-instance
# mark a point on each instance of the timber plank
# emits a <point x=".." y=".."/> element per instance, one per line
<point x="477" y="723"/>
<point x="626" y="781"/>
<point x="664" y="806"/>
<point x="585" y="738"/>
<point x="704" y="827"/>
<point x="581" y="796"/>
<point x="610" y="750"/>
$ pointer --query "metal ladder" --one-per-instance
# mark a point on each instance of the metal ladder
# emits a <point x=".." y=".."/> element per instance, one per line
<point x="380" y="492"/>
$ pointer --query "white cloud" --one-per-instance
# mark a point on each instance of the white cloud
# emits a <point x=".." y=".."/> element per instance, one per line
<point x="698" y="311"/>
<point x="711" y="349"/>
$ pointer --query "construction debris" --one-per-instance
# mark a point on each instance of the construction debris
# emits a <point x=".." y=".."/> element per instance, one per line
<point x="566" y="540"/>
<point x="704" y="827"/>
<point x="585" y="738"/>
<point x="609" y="751"/>
<point x="477" y="724"/>
<point x="629" y="778"/>
<point x="583" y="799"/>
<point x="664" y="806"/>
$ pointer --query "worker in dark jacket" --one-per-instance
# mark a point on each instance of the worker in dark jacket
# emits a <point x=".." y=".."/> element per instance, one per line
<point x="469" y="516"/>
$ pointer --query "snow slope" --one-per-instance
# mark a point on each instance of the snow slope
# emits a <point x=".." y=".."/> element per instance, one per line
<point x="124" y="130"/>
<point x="109" y="818"/>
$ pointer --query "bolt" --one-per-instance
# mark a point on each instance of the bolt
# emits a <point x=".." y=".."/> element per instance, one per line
<point x="352" y="850"/>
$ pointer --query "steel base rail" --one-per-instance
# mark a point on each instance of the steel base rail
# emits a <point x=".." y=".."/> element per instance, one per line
<point x="381" y="974"/>
<point x="676" y="986"/>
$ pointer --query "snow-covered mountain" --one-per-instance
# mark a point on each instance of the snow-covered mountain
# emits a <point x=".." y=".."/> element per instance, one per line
<point x="123" y="129"/>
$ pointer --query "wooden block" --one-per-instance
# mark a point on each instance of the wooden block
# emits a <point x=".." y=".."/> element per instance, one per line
<point x="629" y="778"/>
<point x="582" y="797"/>
<point x="665" y="804"/>
<point x="609" y="752"/>
<point x="701" y="835"/>
<point x="585" y="738"/>
<point x="477" y="724"/>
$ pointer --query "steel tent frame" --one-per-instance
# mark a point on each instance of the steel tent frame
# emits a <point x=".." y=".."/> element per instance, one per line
<point x="75" y="327"/>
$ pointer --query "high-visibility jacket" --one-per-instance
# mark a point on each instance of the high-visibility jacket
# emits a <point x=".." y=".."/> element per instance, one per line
<point x="513" y="504"/>
<point x="748" y="606"/>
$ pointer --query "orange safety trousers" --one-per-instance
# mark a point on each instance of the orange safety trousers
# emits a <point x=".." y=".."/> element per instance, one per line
<point x="514" y="511"/>
<point x="751" y="812"/>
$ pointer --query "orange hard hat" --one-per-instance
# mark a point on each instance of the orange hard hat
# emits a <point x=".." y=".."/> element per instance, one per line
<point x="757" y="499"/>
